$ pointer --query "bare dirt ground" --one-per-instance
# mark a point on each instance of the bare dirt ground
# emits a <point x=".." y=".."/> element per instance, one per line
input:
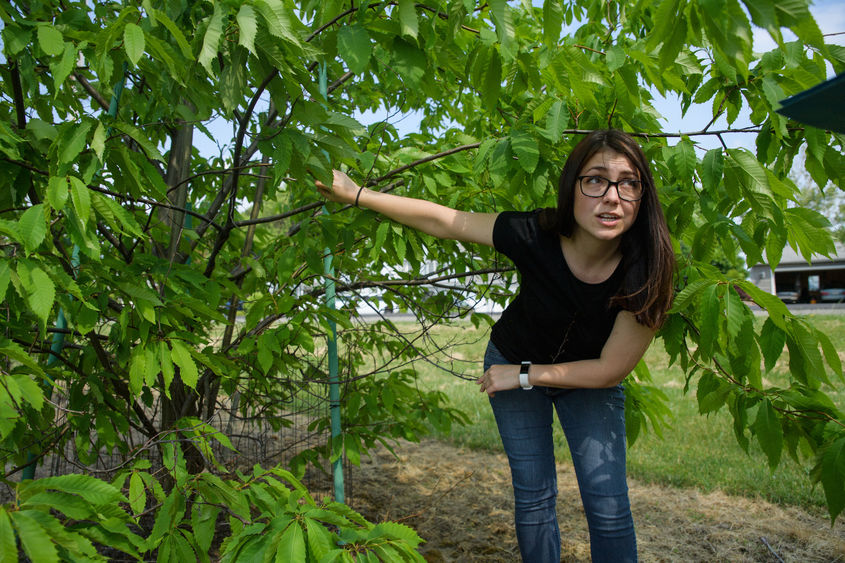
<point x="460" y="502"/>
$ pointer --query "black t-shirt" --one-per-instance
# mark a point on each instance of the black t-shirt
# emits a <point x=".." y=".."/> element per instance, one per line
<point x="555" y="317"/>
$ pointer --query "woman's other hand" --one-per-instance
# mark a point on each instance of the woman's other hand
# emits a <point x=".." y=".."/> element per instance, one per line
<point x="342" y="190"/>
<point x="500" y="377"/>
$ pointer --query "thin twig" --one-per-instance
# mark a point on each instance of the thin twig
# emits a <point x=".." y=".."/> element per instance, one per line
<point x="766" y="543"/>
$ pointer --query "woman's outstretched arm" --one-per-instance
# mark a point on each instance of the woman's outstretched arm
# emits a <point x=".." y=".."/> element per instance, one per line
<point x="626" y="344"/>
<point x="431" y="218"/>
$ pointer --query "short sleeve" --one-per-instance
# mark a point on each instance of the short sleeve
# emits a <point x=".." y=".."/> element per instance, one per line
<point x="514" y="232"/>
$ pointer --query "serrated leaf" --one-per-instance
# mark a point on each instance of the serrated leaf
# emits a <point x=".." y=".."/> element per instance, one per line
<point x="137" y="493"/>
<point x="5" y="277"/>
<point x="8" y="547"/>
<point x="34" y="538"/>
<point x="397" y="531"/>
<point x="61" y="68"/>
<point x="278" y="20"/>
<point x="291" y="545"/>
<point x="75" y="142"/>
<point x="50" y="40"/>
<point x="57" y="192"/>
<point x="203" y="521"/>
<point x="408" y="23"/>
<point x="98" y="141"/>
<point x="182" y="358"/>
<point x="712" y="168"/>
<point x="40" y="295"/>
<point x="769" y="432"/>
<point x="33" y="227"/>
<point x="526" y="149"/>
<point x="832" y="476"/>
<point x="320" y="540"/>
<point x="211" y="39"/>
<point x="138" y="136"/>
<point x="133" y="42"/>
<point x="93" y="490"/>
<point x="81" y="198"/>
<point x="247" y="28"/>
<point x="354" y="47"/>
<point x="772" y="340"/>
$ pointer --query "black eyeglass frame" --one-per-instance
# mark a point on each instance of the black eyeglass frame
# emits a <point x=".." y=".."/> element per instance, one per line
<point x="609" y="185"/>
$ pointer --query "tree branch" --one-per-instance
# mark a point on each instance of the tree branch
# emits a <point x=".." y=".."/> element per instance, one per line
<point x="101" y="101"/>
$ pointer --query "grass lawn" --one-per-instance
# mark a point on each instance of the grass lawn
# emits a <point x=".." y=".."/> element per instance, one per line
<point x="695" y="451"/>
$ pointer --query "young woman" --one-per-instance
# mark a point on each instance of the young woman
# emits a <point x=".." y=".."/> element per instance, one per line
<point x="595" y="285"/>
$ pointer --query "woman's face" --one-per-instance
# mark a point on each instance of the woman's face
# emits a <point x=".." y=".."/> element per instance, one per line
<point x="609" y="216"/>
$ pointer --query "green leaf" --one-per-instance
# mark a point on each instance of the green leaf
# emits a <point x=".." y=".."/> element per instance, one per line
<point x="8" y="547"/>
<point x="73" y="145"/>
<point x="615" y="58"/>
<point x="61" y="68"/>
<point x="682" y="159"/>
<point x="772" y="340"/>
<point x="98" y="141"/>
<point x="133" y="42"/>
<point x="408" y="23"/>
<point x="33" y="227"/>
<point x="57" y="192"/>
<point x="50" y="40"/>
<point x="137" y="136"/>
<point x="248" y="27"/>
<point x="182" y="358"/>
<point x="525" y="147"/>
<point x="769" y="432"/>
<point x="81" y="198"/>
<point x="137" y="493"/>
<point x="354" y="47"/>
<point x="203" y="522"/>
<point x="492" y="80"/>
<point x="278" y="21"/>
<point x="291" y="545"/>
<point x="5" y="277"/>
<point x="409" y="62"/>
<point x="397" y="531"/>
<point x="40" y="295"/>
<point x="93" y="490"/>
<point x="503" y="19"/>
<point x="35" y="540"/>
<point x="211" y="39"/>
<point x="712" y="167"/>
<point x="832" y="475"/>
<point x="552" y="21"/>
<point x="557" y="120"/>
<point x="320" y="540"/>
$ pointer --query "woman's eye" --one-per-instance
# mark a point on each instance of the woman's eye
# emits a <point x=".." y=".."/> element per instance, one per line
<point x="594" y="180"/>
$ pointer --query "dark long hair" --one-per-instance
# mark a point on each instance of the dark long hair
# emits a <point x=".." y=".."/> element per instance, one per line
<point x="648" y="259"/>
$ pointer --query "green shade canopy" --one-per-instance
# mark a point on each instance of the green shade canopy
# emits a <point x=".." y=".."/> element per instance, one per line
<point x="821" y="106"/>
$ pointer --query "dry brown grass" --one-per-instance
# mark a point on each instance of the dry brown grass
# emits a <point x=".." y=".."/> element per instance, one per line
<point x="460" y="502"/>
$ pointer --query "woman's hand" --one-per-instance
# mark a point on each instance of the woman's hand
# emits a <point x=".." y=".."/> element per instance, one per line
<point x="342" y="190"/>
<point x="500" y="377"/>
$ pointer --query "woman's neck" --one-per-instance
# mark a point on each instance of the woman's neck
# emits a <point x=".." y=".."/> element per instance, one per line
<point x="591" y="260"/>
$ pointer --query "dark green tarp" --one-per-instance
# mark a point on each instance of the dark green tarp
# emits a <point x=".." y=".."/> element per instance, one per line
<point x="821" y="106"/>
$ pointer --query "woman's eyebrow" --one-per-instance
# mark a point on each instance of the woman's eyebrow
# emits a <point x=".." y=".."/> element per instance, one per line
<point x="601" y="168"/>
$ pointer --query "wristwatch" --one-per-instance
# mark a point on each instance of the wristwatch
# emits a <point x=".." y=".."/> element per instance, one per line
<point x="523" y="376"/>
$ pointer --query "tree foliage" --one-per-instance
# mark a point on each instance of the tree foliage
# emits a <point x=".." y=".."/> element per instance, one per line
<point x="119" y="234"/>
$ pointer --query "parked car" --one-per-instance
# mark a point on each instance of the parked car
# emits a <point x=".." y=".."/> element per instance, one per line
<point x="833" y="294"/>
<point x="788" y="296"/>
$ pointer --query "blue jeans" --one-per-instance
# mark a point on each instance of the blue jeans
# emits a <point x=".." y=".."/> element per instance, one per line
<point x="594" y="423"/>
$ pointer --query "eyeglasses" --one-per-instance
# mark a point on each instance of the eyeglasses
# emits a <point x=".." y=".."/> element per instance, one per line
<point x="597" y="186"/>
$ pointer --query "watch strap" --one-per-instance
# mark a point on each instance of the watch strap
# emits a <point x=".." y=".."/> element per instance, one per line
<point x="523" y="376"/>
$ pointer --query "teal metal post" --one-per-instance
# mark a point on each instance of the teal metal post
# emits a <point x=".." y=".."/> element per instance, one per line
<point x="58" y="343"/>
<point x="334" y="382"/>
